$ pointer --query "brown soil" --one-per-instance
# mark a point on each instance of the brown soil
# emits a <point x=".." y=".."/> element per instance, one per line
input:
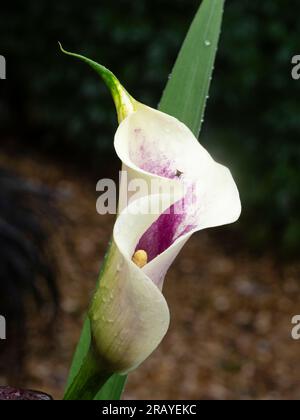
<point x="230" y="335"/>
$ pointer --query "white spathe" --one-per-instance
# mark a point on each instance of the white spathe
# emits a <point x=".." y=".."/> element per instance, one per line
<point x="129" y="315"/>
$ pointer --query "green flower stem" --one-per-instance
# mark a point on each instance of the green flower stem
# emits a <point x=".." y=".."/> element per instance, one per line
<point x="83" y="358"/>
<point x="104" y="386"/>
<point x="90" y="378"/>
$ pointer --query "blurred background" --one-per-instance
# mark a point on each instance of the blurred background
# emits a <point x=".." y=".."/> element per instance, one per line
<point x="233" y="291"/>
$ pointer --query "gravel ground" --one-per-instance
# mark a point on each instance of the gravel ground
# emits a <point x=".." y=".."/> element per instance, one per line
<point x="230" y="334"/>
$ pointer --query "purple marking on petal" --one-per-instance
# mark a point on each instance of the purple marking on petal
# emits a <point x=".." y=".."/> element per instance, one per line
<point x="169" y="227"/>
<point x="160" y="234"/>
<point x="149" y="157"/>
<point x="171" y="224"/>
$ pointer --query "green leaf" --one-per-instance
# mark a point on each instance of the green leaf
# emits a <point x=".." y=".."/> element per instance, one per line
<point x="81" y="351"/>
<point x="185" y="98"/>
<point x="113" y="389"/>
<point x="187" y="90"/>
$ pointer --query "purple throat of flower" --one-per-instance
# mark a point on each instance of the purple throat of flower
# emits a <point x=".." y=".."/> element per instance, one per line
<point x="171" y="224"/>
<point x="169" y="227"/>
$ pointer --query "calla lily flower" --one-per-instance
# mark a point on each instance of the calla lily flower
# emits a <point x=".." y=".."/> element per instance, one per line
<point x="152" y="144"/>
<point x="129" y="315"/>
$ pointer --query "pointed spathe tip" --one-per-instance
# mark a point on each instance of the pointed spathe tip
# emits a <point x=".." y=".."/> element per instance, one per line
<point x="124" y="102"/>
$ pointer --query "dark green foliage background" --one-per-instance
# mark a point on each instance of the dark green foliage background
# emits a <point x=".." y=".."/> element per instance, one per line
<point x="54" y="103"/>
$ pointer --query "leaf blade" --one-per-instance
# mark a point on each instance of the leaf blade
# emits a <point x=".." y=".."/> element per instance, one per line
<point x="113" y="388"/>
<point x="80" y="352"/>
<point x="185" y="95"/>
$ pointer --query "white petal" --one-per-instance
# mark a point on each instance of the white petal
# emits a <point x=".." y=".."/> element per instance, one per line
<point x="151" y="145"/>
<point x="129" y="314"/>
<point x="152" y="142"/>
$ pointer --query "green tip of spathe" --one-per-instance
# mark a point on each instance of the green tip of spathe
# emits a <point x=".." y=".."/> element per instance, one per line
<point x="124" y="103"/>
<point x="61" y="47"/>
